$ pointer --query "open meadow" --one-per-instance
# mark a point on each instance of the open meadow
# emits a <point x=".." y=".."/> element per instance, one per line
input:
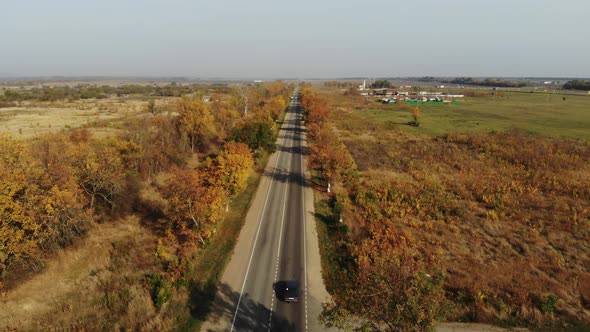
<point x="493" y="194"/>
<point x="555" y="115"/>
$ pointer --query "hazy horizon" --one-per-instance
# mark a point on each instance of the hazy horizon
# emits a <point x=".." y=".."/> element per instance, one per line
<point x="266" y="39"/>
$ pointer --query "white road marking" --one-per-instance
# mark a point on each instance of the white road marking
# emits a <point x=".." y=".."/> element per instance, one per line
<point x="280" y="241"/>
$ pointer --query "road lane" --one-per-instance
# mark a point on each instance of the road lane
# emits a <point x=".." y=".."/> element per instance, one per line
<point x="271" y="247"/>
<point x="292" y="262"/>
<point x="259" y="279"/>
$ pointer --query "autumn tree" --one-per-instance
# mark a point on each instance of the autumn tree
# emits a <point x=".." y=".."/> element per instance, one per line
<point x="274" y="107"/>
<point x="36" y="215"/>
<point x="267" y="100"/>
<point x="101" y="172"/>
<point x="18" y="243"/>
<point x="315" y="111"/>
<point x="238" y="100"/>
<point x="192" y="204"/>
<point x="255" y="134"/>
<point x="230" y="169"/>
<point x="151" y="144"/>
<point x="226" y="118"/>
<point x="56" y="156"/>
<point x="62" y="200"/>
<point x="328" y="155"/>
<point x="195" y="122"/>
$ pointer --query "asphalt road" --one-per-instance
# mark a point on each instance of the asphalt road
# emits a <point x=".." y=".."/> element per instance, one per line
<point x="273" y="246"/>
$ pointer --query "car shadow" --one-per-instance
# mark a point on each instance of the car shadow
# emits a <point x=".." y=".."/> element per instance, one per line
<point x="252" y="315"/>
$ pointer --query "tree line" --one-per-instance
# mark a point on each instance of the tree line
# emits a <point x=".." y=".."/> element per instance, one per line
<point x="327" y="154"/>
<point x="88" y="91"/>
<point x="342" y="84"/>
<point x="56" y="185"/>
<point x="577" y="85"/>
<point x="492" y="82"/>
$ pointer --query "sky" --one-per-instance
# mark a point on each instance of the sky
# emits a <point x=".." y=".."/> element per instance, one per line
<point x="296" y="39"/>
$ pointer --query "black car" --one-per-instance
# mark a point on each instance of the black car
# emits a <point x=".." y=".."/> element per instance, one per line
<point x="288" y="290"/>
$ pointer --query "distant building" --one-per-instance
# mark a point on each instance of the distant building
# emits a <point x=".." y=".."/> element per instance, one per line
<point x="384" y="92"/>
<point x="363" y="86"/>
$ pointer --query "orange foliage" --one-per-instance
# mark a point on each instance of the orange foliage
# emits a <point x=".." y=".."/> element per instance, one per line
<point x="192" y="204"/>
<point x="196" y="122"/>
<point x="505" y="217"/>
<point x="37" y="215"/>
<point x="231" y="168"/>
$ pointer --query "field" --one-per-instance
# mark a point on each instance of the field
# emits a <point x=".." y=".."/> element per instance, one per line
<point x="537" y="113"/>
<point x="112" y="252"/>
<point x="495" y="192"/>
<point x="100" y="116"/>
<point x="94" y="282"/>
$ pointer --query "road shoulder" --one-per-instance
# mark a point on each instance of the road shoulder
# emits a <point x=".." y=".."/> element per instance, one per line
<point x="316" y="289"/>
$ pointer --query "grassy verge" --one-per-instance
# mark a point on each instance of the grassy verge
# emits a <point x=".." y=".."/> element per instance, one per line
<point x="323" y="220"/>
<point x="335" y="257"/>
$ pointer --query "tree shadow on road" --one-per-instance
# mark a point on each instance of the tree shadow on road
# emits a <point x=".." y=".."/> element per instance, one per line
<point x="281" y="175"/>
<point x="252" y="316"/>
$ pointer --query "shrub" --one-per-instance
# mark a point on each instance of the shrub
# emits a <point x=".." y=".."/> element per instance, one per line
<point x="548" y="304"/>
<point x="160" y="289"/>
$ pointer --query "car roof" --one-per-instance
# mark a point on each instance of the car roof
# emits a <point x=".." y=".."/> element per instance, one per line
<point x="292" y="284"/>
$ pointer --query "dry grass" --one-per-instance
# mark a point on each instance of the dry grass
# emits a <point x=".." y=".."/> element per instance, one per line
<point x="510" y="235"/>
<point x="101" y="116"/>
<point x="87" y="285"/>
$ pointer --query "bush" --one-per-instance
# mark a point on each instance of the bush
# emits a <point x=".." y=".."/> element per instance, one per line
<point x="548" y="305"/>
<point x="160" y="289"/>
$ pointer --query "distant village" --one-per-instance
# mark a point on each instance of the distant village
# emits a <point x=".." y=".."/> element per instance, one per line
<point x="392" y="96"/>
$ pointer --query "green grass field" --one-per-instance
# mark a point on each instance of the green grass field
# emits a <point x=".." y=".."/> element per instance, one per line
<point x="539" y="114"/>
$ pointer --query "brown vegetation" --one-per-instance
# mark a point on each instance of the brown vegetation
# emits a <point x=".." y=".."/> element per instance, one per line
<point x="57" y="186"/>
<point x="503" y="220"/>
<point x="516" y="217"/>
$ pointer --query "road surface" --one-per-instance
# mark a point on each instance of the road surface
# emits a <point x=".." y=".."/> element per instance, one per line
<point x="278" y="242"/>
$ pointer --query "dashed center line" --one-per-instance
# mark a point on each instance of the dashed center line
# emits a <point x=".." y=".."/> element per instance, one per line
<point x="279" y="248"/>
